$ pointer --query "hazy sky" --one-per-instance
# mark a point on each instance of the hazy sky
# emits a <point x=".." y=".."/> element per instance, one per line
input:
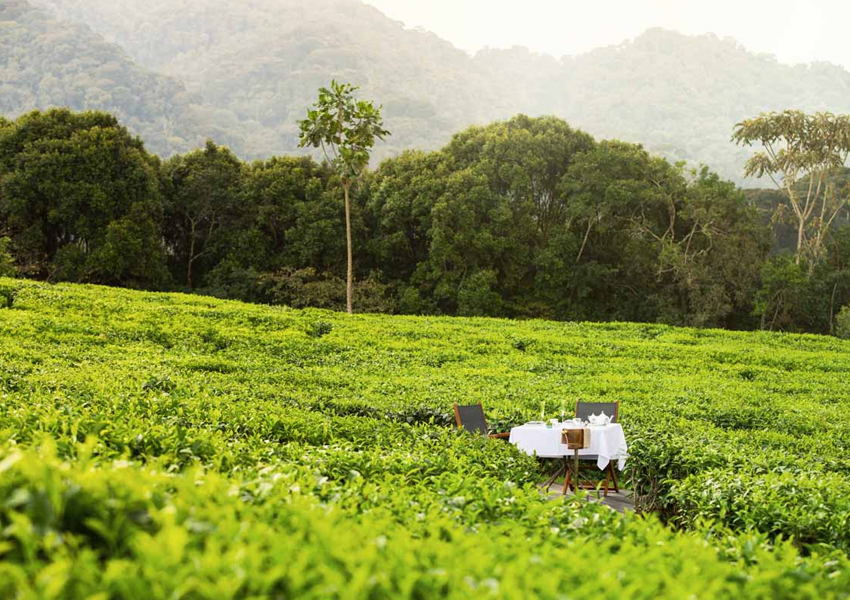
<point x="792" y="30"/>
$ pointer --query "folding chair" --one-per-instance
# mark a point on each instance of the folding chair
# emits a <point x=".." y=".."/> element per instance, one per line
<point x="583" y="411"/>
<point x="575" y="439"/>
<point x="472" y="419"/>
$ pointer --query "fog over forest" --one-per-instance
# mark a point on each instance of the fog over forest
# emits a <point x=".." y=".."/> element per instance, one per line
<point x="242" y="73"/>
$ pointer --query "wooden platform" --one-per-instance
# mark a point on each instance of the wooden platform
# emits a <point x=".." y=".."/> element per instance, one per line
<point x="620" y="501"/>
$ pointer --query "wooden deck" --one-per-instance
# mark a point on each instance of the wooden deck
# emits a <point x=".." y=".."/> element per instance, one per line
<point x="620" y="501"/>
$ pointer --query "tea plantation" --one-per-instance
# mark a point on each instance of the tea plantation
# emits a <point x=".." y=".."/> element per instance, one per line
<point x="170" y="446"/>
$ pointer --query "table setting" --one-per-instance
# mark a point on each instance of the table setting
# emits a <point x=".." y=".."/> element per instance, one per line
<point x="606" y="440"/>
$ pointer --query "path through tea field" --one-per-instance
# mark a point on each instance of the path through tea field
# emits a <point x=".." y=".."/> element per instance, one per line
<point x="174" y="446"/>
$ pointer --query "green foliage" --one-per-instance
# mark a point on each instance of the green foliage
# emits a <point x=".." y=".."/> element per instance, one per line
<point x="81" y="198"/>
<point x="798" y="148"/>
<point x="476" y="297"/>
<point x="523" y="218"/>
<point x="303" y="288"/>
<point x="155" y="443"/>
<point x="842" y="327"/>
<point x="319" y="328"/>
<point x="570" y="228"/>
<point x="781" y="302"/>
<point x="201" y="198"/>
<point x="7" y="263"/>
<point x="820" y="508"/>
<point x="345" y="128"/>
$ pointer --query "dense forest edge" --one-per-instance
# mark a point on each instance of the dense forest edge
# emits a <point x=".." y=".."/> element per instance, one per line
<point x="524" y="218"/>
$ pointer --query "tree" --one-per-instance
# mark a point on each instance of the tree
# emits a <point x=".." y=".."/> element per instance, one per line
<point x="346" y="130"/>
<point x="470" y="232"/>
<point x="525" y="161"/>
<point x="201" y="195"/>
<point x="785" y="296"/>
<point x="601" y="183"/>
<point x="715" y="263"/>
<point x="404" y="191"/>
<point x="81" y="199"/>
<point x="800" y="148"/>
<point x="276" y="196"/>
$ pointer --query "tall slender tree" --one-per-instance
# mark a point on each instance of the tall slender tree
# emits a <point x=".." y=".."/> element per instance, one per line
<point x="801" y="154"/>
<point x="346" y="130"/>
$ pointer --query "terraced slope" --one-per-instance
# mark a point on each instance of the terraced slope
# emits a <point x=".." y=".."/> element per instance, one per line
<point x="162" y="446"/>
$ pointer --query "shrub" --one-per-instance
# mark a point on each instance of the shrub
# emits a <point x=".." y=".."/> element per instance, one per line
<point x="842" y="323"/>
<point x="318" y="329"/>
<point x="302" y="288"/>
<point x="7" y="263"/>
<point x="476" y="297"/>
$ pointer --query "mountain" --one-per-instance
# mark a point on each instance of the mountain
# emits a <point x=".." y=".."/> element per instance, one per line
<point x="261" y="62"/>
<point x="681" y="96"/>
<point x="252" y="67"/>
<point x="46" y="63"/>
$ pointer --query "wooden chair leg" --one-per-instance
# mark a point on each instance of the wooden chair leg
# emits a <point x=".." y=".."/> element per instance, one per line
<point x="567" y="476"/>
<point x="552" y="478"/>
<point x="577" y="482"/>
<point x="614" y="476"/>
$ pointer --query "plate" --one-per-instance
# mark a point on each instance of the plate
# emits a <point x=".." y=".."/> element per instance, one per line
<point x="535" y="423"/>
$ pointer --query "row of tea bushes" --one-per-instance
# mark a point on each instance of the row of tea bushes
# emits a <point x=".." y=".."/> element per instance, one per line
<point x="117" y="529"/>
<point x="814" y="508"/>
<point x="741" y="438"/>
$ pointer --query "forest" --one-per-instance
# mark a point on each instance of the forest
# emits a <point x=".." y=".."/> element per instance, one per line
<point x="524" y="218"/>
<point x="177" y="72"/>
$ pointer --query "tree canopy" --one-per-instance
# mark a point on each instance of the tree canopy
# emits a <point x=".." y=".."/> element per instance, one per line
<point x="82" y="199"/>
<point x="524" y="218"/>
<point x="49" y="63"/>
<point x="797" y="147"/>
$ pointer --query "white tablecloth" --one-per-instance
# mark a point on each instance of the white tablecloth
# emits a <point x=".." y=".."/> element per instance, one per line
<point x="607" y="443"/>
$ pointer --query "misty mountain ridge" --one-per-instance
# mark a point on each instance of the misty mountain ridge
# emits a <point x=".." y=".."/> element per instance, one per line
<point x="251" y="69"/>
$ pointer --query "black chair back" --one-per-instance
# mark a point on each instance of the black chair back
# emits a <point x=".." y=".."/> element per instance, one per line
<point x="585" y="409"/>
<point x="471" y="418"/>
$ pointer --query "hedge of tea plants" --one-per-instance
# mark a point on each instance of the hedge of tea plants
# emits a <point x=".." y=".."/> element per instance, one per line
<point x="173" y="446"/>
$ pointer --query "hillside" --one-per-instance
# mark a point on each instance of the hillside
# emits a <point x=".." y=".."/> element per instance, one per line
<point x="46" y="63"/>
<point x="681" y="96"/>
<point x="257" y="65"/>
<point x="156" y="443"/>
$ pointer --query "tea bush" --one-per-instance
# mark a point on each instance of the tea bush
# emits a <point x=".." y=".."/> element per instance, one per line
<point x="165" y="445"/>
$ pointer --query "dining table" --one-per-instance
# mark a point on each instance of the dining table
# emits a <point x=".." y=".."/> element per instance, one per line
<point x="607" y="442"/>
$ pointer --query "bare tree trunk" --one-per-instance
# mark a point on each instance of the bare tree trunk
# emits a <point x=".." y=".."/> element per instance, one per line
<point x="191" y="257"/>
<point x="584" y="241"/>
<point x="775" y="314"/>
<point x="832" y="310"/>
<point x="800" y="229"/>
<point x="349" y="287"/>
